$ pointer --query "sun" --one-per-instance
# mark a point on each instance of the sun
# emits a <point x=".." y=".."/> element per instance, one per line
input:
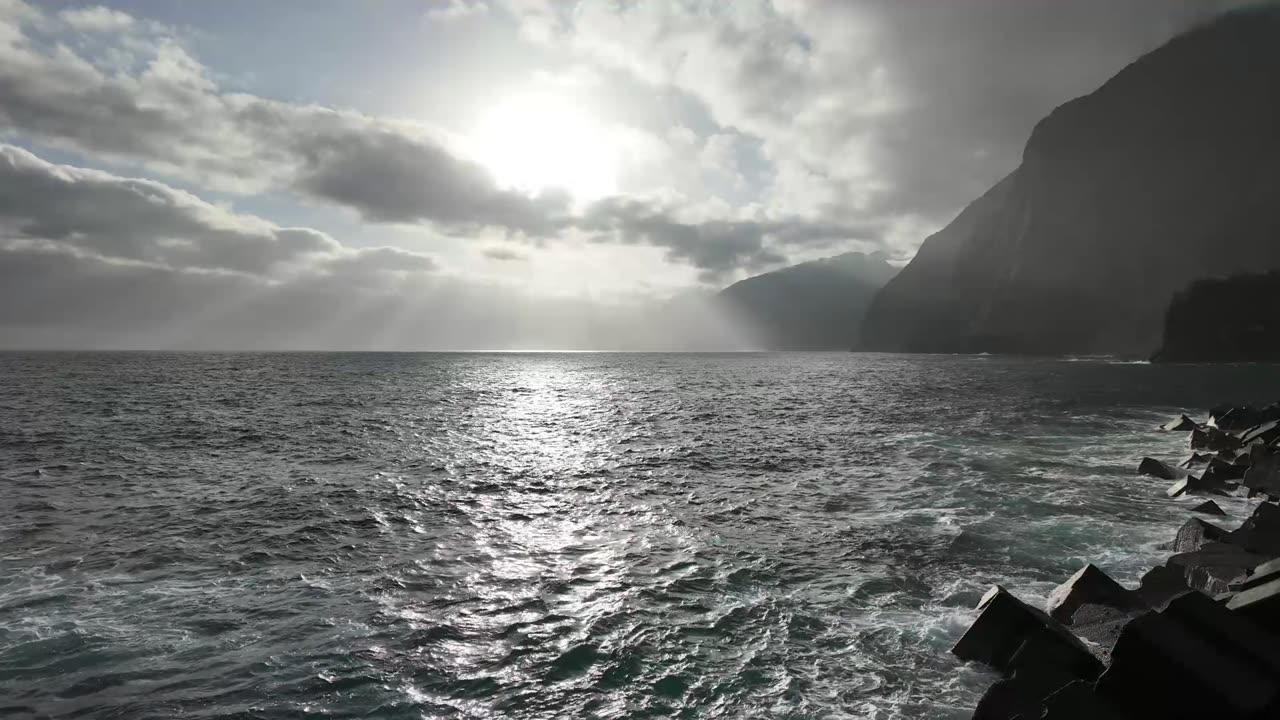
<point x="538" y="142"/>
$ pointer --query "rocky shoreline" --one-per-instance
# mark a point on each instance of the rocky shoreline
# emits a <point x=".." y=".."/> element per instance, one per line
<point x="1199" y="637"/>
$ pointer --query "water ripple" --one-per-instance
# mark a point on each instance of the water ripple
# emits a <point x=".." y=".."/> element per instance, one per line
<point x="550" y="536"/>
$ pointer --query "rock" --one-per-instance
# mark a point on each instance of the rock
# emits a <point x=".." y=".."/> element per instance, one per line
<point x="1230" y="633"/>
<point x="1213" y="439"/>
<point x="1266" y="432"/>
<point x="1156" y="468"/>
<point x="1235" y="418"/>
<point x="1182" y="423"/>
<point x="1264" y="475"/>
<point x="1005" y="623"/>
<point x="1208" y="507"/>
<point x="1100" y="625"/>
<point x="1221" y="471"/>
<point x="1195" y="533"/>
<point x="1078" y="700"/>
<point x="1004" y="700"/>
<point x="1215" y="566"/>
<point x="1162" y="584"/>
<point x="1195" y="461"/>
<point x="1253" y="453"/>
<point x="1038" y="669"/>
<point x="1162" y="669"/>
<point x="1260" y="604"/>
<point x="1261" y="532"/>
<point x="1089" y="586"/>
<point x="1198" y="486"/>
<point x="1264" y="573"/>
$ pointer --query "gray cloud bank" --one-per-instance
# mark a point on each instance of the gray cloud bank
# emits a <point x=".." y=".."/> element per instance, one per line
<point x="92" y="259"/>
<point x="163" y="111"/>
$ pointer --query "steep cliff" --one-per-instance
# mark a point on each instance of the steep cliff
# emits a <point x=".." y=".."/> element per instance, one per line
<point x="1234" y="319"/>
<point x="1167" y="173"/>
<point x="816" y="305"/>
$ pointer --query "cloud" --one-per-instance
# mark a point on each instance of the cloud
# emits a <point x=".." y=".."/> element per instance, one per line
<point x="93" y="259"/>
<point x="142" y="222"/>
<point x="55" y="296"/>
<point x="171" y="117"/>
<point x="872" y="109"/>
<point x="456" y="9"/>
<point x="503" y="254"/>
<point x="96" y="19"/>
<point x="391" y="176"/>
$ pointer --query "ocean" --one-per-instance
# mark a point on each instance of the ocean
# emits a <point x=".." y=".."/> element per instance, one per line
<point x="330" y="535"/>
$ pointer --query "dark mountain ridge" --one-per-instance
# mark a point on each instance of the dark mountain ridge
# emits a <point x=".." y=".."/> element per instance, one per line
<point x="816" y="305"/>
<point x="1168" y="173"/>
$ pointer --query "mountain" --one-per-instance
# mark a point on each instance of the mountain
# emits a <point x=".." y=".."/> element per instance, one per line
<point x="1234" y="319"/>
<point x="815" y="305"/>
<point x="1166" y="174"/>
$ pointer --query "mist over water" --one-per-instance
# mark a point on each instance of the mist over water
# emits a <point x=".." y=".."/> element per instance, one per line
<point x="555" y="535"/>
<point x="436" y="314"/>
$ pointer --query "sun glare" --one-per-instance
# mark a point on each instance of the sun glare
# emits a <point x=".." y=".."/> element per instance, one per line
<point x="541" y="142"/>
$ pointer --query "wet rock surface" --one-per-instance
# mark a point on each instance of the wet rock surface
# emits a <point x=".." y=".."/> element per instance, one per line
<point x="1198" y="638"/>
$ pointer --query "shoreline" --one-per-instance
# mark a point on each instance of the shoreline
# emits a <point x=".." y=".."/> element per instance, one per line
<point x="1198" y="637"/>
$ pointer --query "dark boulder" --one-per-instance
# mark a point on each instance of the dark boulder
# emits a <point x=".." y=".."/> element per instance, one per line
<point x="1215" y="566"/>
<point x="1261" y="532"/>
<point x="1264" y="573"/>
<point x="1004" y="700"/>
<point x="1266" y="433"/>
<point x="1041" y="666"/>
<point x="1260" y="604"/>
<point x="1161" y="584"/>
<point x="1078" y="701"/>
<point x="1162" y="470"/>
<point x="1230" y="633"/>
<point x="1235" y="418"/>
<point x="1005" y="623"/>
<point x="1162" y="669"/>
<point x="1254" y="453"/>
<point x="1182" y="423"/>
<point x="1195" y="461"/>
<point x="1100" y="625"/>
<point x="1264" y="475"/>
<point x="1199" y="486"/>
<point x="1208" y="507"/>
<point x="1195" y="534"/>
<point x="1221" y="471"/>
<point x="1213" y="440"/>
<point x="1089" y="586"/>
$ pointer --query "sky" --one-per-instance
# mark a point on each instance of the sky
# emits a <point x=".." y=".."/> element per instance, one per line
<point x="498" y="174"/>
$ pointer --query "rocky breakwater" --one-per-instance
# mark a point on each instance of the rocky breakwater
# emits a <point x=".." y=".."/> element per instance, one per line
<point x="1200" y="635"/>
